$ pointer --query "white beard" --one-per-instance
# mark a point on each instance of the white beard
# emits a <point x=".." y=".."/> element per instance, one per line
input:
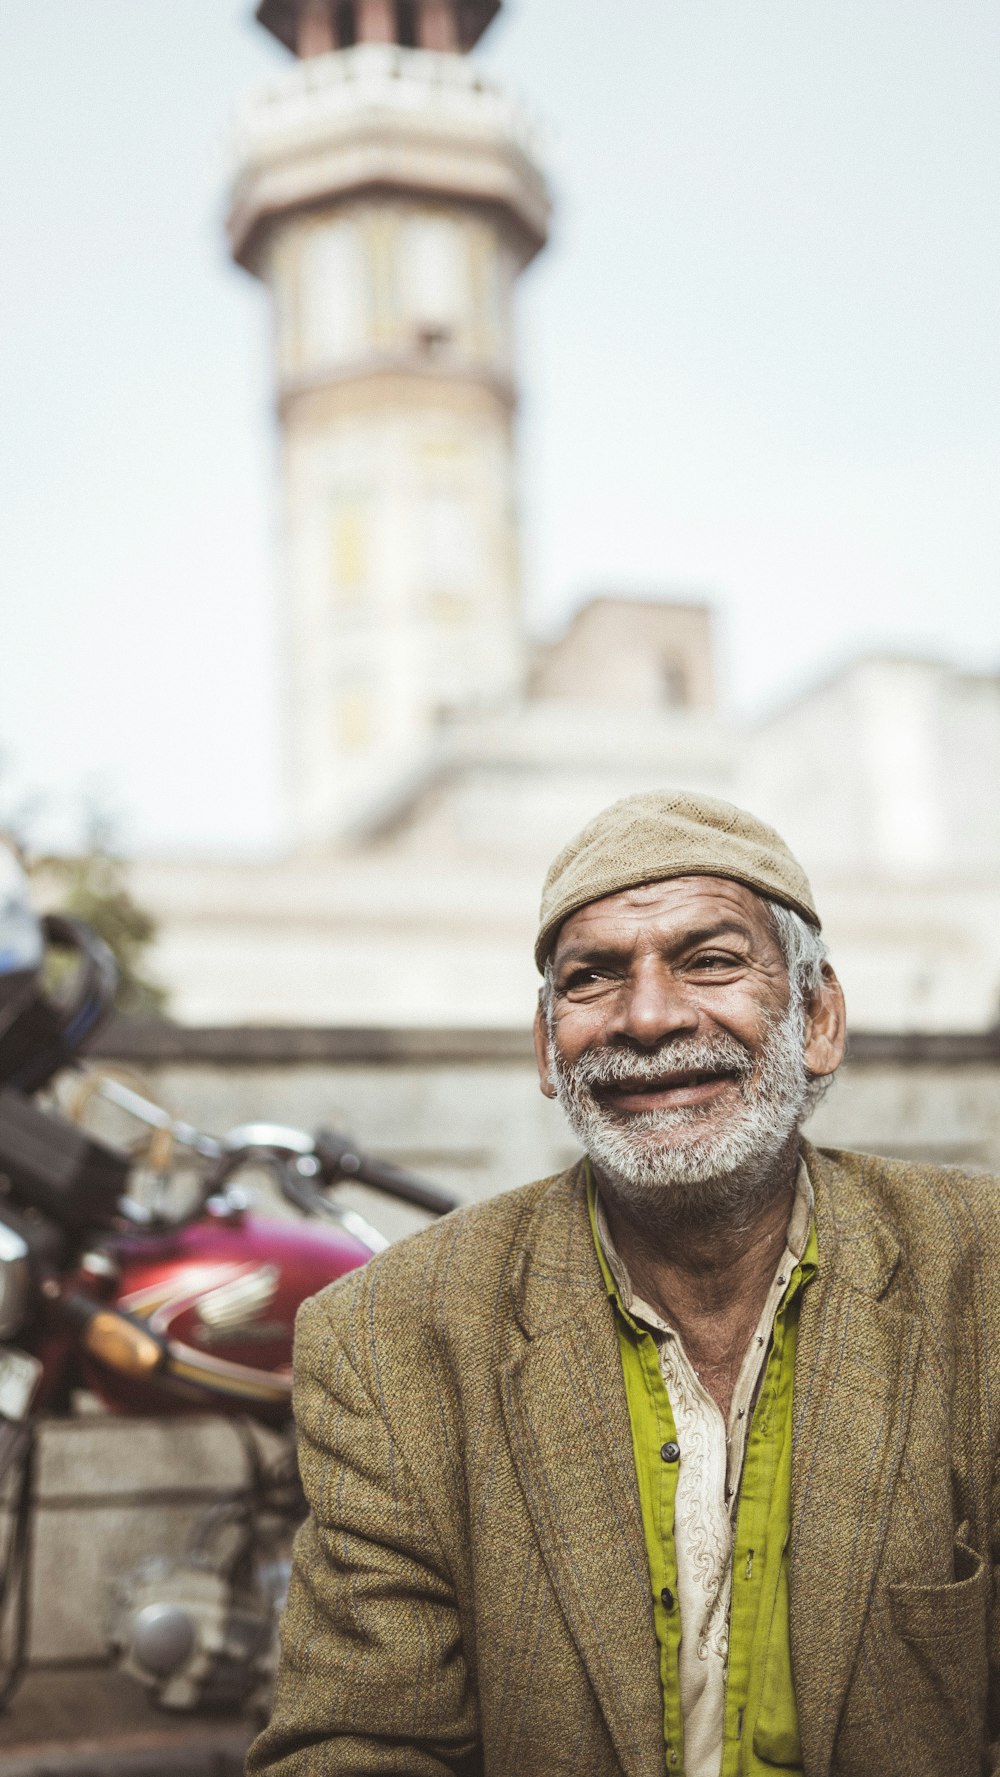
<point x="698" y="1162"/>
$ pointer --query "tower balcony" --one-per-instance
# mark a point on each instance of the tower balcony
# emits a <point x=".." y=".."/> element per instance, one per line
<point x="378" y="117"/>
<point x="310" y="27"/>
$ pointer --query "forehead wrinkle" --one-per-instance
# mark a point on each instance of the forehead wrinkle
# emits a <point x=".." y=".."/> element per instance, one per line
<point x="609" y="950"/>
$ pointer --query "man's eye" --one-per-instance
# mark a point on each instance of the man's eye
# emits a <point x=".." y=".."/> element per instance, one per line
<point x="715" y="959"/>
<point x="583" y="978"/>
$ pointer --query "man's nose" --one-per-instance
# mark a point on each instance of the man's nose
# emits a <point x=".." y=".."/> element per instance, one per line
<point x="653" y="1007"/>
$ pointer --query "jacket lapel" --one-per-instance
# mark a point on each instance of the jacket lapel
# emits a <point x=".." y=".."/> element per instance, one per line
<point x="854" y="1373"/>
<point x="570" y="1440"/>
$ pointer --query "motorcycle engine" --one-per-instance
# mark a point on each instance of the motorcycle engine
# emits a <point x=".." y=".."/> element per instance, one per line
<point x="184" y="1630"/>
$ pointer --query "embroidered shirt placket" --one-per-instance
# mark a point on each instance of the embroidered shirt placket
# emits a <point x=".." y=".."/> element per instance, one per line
<point x="708" y="1485"/>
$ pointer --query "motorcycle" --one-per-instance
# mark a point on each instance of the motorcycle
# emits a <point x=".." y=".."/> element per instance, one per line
<point x="157" y="1310"/>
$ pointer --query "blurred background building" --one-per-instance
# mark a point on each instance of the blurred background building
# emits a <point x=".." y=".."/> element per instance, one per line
<point x="389" y="195"/>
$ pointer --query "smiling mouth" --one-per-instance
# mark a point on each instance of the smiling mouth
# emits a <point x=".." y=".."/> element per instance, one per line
<point x="673" y="1090"/>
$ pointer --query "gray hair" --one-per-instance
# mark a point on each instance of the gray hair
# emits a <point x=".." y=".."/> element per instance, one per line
<point x="805" y="953"/>
<point x="802" y="948"/>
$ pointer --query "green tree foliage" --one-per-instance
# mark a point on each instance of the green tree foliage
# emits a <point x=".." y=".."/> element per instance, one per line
<point x="93" y="886"/>
<point x="89" y="884"/>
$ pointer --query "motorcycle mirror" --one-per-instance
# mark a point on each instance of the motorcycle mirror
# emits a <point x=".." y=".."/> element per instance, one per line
<point x="272" y="1138"/>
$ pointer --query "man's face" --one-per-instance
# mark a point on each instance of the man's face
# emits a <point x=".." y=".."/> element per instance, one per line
<point x="672" y="1037"/>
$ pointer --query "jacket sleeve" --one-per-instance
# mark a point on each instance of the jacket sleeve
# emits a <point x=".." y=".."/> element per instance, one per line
<point x="372" y="1675"/>
<point x="991" y="1765"/>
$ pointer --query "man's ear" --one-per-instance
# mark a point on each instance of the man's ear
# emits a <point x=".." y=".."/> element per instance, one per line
<point x="826" y="1027"/>
<point x="543" y="1050"/>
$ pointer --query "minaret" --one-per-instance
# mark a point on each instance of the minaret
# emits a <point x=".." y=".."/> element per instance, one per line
<point x="389" y="195"/>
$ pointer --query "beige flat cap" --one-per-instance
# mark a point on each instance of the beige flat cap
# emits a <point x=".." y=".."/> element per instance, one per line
<point x="661" y="834"/>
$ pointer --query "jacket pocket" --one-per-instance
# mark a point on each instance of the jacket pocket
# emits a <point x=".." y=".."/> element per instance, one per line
<point x="953" y="1612"/>
<point x="941" y="1670"/>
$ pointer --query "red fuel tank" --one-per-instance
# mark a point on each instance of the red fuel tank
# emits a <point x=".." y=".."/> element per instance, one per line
<point x="225" y="1295"/>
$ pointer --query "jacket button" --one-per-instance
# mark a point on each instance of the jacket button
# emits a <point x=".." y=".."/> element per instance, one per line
<point x="667" y="1598"/>
<point x="670" y="1452"/>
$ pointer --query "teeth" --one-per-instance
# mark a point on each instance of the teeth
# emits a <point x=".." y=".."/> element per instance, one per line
<point x="666" y="1085"/>
<point x="673" y="1083"/>
<point x="666" y="1082"/>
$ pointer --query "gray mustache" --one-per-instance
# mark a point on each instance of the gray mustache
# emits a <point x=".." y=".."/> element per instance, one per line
<point x="623" y="1067"/>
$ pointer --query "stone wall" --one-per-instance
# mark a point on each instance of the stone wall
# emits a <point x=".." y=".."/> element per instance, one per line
<point x="464" y="1106"/>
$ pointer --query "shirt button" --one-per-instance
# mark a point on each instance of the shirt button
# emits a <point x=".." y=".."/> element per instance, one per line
<point x="667" y="1598"/>
<point x="670" y="1452"/>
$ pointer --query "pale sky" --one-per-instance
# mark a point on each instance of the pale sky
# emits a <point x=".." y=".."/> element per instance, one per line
<point x="761" y="364"/>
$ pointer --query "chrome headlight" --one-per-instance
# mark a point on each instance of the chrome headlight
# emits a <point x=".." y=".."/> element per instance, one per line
<point x="15" y="1281"/>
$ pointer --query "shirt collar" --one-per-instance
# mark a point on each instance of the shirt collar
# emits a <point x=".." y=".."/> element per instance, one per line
<point x="797" y="1263"/>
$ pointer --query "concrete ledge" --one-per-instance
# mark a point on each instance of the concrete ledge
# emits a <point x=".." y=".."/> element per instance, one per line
<point x="92" y="1722"/>
<point x="940" y="1048"/>
<point x="99" y="1460"/>
<point x="156" y="1042"/>
<point x="163" y="1755"/>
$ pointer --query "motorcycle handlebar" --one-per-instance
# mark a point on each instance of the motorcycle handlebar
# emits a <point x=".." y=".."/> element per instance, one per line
<point x="340" y="1157"/>
<point x="329" y="1157"/>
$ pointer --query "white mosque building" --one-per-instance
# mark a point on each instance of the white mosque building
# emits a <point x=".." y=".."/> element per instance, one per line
<point x="389" y="195"/>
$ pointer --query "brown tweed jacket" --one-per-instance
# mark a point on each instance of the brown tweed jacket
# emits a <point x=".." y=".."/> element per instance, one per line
<point x="471" y="1595"/>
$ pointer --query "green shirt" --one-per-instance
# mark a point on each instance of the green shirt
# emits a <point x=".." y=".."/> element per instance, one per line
<point x="760" y="1731"/>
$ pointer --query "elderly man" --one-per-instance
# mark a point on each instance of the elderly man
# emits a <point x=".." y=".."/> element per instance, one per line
<point x="685" y="1459"/>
